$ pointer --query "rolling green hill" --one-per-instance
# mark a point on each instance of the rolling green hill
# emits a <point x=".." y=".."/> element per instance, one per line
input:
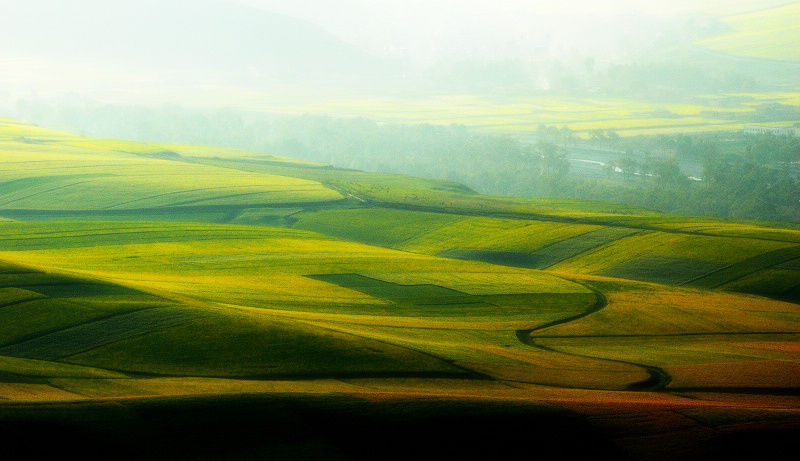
<point x="138" y="281"/>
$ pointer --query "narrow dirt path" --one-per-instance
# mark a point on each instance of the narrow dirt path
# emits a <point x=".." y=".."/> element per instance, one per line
<point x="657" y="379"/>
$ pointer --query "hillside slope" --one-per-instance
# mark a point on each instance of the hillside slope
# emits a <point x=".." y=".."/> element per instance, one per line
<point x="144" y="288"/>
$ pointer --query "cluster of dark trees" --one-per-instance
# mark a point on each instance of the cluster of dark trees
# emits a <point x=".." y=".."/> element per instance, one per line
<point x="753" y="177"/>
<point x="743" y="176"/>
<point x="761" y="149"/>
<point x="730" y="187"/>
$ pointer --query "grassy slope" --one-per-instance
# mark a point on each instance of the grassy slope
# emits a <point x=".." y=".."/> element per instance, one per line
<point x="59" y="172"/>
<point x="670" y="251"/>
<point x="359" y="300"/>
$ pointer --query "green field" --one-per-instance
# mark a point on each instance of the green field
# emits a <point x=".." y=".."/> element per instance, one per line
<point x="145" y="288"/>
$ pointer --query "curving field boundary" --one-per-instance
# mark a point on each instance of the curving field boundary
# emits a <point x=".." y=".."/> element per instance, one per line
<point x="657" y="378"/>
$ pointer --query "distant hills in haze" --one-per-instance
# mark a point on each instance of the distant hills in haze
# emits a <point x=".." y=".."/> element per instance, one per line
<point x="194" y="36"/>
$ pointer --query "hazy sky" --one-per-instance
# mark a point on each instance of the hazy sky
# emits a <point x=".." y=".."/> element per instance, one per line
<point x="425" y="31"/>
<point x="428" y="30"/>
<point x="416" y="33"/>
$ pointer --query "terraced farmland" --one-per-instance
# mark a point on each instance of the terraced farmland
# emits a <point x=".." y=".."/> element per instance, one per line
<point x="197" y="280"/>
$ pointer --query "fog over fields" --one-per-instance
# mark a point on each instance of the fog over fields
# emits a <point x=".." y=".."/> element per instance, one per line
<point x="127" y="46"/>
<point x="360" y="229"/>
<point x="407" y="86"/>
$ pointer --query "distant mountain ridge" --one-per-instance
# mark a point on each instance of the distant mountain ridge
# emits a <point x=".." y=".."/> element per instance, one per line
<point x="186" y="35"/>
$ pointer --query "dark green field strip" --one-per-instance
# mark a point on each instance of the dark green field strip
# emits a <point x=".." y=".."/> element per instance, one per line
<point x="782" y="284"/>
<point x="565" y="249"/>
<point x="503" y="258"/>
<point x="419" y="295"/>
<point x="546" y="256"/>
<point x="668" y="270"/>
<point x="97" y="333"/>
<point x="746" y="267"/>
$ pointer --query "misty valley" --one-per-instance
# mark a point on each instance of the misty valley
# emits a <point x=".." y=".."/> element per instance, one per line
<point x="247" y="229"/>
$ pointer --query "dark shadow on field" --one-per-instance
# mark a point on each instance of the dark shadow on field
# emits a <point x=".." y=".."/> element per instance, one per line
<point x="768" y="442"/>
<point x="748" y="266"/>
<point x="295" y="427"/>
<point x="503" y="258"/>
<point x="792" y="296"/>
<point x="307" y="428"/>
<point x="419" y="295"/>
<point x="546" y="256"/>
<point x="669" y="270"/>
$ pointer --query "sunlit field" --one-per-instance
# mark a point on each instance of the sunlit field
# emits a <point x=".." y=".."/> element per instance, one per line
<point x="198" y="280"/>
<point x="400" y="230"/>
